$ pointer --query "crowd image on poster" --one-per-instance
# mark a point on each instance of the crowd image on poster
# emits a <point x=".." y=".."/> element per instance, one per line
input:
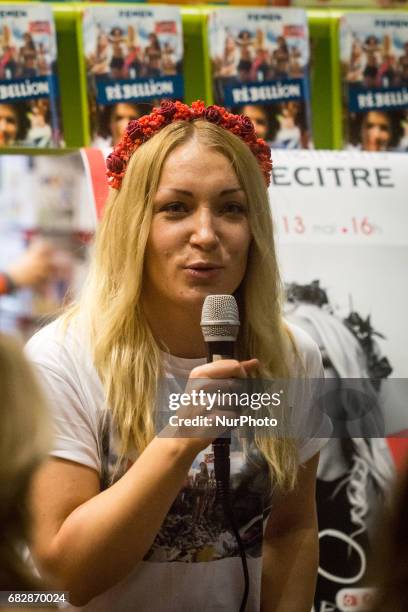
<point x="134" y="59"/>
<point x="374" y="61"/>
<point x="29" y="103"/>
<point x="44" y="205"/>
<point x="260" y="66"/>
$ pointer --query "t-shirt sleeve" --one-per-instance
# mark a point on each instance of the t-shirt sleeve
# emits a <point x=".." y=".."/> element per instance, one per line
<point x="310" y="425"/>
<point x="75" y="425"/>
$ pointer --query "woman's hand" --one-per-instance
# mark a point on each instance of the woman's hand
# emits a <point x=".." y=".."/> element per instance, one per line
<point x="211" y="379"/>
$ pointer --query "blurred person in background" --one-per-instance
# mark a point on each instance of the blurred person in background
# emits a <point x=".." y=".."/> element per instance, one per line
<point x="25" y="441"/>
<point x="32" y="269"/>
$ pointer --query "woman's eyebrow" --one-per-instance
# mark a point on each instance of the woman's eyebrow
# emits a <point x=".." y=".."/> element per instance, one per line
<point x="183" y="191"/>
<point x="190" y="193"/>
<point x="229" y="191"/>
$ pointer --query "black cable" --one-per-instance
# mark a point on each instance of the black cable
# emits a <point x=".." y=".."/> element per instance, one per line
<point x="228" y="511"/>
<point x="222" y="476"/>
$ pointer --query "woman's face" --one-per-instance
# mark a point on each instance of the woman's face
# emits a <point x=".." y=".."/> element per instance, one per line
<point x="8" y="124"/>
<point x="375" y="131"/>
<point x="199" y="237"/>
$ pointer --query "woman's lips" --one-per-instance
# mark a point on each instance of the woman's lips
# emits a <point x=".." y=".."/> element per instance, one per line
<point x="201" y="272"/>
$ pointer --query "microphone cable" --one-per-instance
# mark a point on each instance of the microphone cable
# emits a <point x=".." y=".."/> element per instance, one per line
<point x="222" y="477"/>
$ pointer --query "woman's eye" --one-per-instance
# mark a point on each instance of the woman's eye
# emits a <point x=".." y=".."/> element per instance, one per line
<point x="234" y="208"/>
<point x="174" y="208"/>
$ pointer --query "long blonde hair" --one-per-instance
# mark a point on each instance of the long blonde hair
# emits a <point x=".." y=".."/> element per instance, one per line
<point x="126" y="355"/>
<point x="25" y="442"/>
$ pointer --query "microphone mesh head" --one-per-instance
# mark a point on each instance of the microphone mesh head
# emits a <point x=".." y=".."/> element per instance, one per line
<point x="219" y="318"/>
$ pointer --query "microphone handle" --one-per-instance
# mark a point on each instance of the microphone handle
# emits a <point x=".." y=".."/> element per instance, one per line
<point x="220" y="349"/>
<point x="221" y="446"/>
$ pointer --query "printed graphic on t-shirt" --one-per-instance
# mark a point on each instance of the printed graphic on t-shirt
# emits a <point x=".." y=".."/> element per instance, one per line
<point x="196" y="528"/>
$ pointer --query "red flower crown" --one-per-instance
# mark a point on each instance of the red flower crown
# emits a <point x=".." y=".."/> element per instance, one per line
<point x="140" y="130"/>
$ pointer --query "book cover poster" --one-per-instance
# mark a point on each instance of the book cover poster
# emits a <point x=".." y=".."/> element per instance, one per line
<point x="260" y="67"/>
<point x="374" y="62"/>
<point x="134" y="59"/>
<point x="29" y="102"/>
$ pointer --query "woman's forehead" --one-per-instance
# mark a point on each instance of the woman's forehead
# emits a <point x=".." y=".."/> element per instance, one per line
<point x="196" y="161"/>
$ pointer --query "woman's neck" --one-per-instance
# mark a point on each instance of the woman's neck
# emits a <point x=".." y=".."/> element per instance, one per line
<point x="177" y="330"/>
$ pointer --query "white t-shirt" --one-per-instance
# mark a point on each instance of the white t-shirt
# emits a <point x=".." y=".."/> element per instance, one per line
<point x="193" y="563"/>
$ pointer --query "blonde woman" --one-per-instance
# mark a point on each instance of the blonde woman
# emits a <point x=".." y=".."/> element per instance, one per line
<point x="187" y="216"/>
<point x="24" y="444"/>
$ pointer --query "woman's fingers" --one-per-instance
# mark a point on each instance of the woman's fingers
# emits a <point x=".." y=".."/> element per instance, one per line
<point x="250" y="366"/>
<point x="225" y="368"/>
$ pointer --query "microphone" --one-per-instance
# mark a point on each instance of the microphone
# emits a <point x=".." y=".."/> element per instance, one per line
<point x="220" y="326"/>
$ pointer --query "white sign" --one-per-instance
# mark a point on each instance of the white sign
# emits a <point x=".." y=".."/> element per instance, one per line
<point x="340" y="197"/>
<point x="342" y="219"/>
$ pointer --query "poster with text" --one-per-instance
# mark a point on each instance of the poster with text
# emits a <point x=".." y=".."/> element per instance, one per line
<point x="374" y="63"/>
<point x="341" y="221"/>
<point x="29" y="100"/>
<point x="134" y="59"/>
<point x="260" y="68"/>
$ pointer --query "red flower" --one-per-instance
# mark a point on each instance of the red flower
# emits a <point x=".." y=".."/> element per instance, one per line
<point x="134" y="129"/>
<point x="213" y="115"/>
<point x="184" y="112"/>
<point x="167" y="109"/>
<point x="114" y="163"/>
<point x="246" y="126"/>
<point x="140" y="130"/>
<point x="230" y="120"/>
<point x="198" y="108"/>
<point x="262" y="148"/>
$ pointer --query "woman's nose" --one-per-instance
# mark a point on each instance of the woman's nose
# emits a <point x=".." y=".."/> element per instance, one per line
<point x="204" y="232"/>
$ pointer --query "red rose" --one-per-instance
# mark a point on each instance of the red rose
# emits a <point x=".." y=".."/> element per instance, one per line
<point x="167" y="109"/>
<point x="134" y="129"/>
<point x="246" y="127"/>
<point x="213" y="115"/>
<point x="198" y="108"/>
<point x="265" y="150"/>
<point x="114" y="163"/>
